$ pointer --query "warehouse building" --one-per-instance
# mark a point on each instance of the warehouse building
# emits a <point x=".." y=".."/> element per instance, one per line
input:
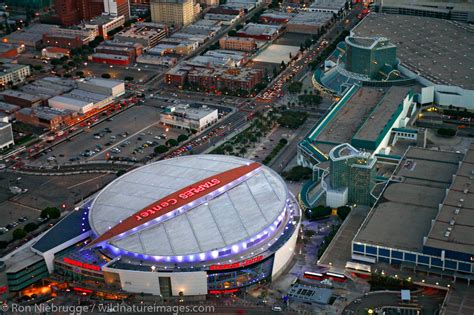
<point x="20" y="98"/>
<point x="90" y="94"/>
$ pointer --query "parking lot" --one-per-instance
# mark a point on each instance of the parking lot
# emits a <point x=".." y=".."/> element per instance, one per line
<point x="133" y="127"/>
<point x="42" y="192"/>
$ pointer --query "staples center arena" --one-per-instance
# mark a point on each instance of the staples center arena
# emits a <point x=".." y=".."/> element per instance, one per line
<point x="192" y="226"/>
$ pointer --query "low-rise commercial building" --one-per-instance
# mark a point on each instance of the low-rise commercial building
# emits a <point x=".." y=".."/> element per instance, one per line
<point x="65" y="41"/>
<point x="275" y="17"/>
<point x="48" y="87"/>
<point x="8" y="110"/>
<point x="127" y="50"/>
<point x="69" y="38"/>
<point x="308" y="22"/>
<point x="225" y="19"/>
<point x="225" y="10"/>
<point x="103" y="86"/>
<point x="13" y="74"/>
<point x="6" y="135"/>
<point x="20" y="98"/>
<point x="44" y="117"/>
<point x="237" y="43"/>
<point x="10" y="50"/>
<point x="187" y="117"/>
<point x="260" y="31"/>
<point x="55" y="52"/>
<point x="111" y="59"/>
<point x="146" y="34"/>
<point x="31" y="36"/>
<point x="106" y="23"/>
<point x="90" y="94"/>
<point x="157" y="60"/>
<point x="234" y="80"/>
<point x="330" y="6"/>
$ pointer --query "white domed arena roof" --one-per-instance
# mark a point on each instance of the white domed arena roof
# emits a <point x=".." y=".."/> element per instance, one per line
<point x="238" y="212"/>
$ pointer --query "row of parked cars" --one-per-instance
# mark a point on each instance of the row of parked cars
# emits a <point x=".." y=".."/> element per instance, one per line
<point x="12" y="225"/>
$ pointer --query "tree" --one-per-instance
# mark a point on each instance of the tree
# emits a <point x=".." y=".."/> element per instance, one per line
<point x="3" y="244"/>
<point x="18" y="234"/>
<point x="446" y="132"/>
<point x="106" y="75"/>
<point x="282" y="65"/>
<point x="318" y="212"/>
<point x="50" y="212"/>
<point x="80" y="73"/>
<point x="295" y="87"/>
<point x="182" y="137"/>
<point x="343" y="212"/>
<point x="120" y="172"/>
<point x="30" y="227"/>
<point x="275" y="71"/>
<point x="56" y="61"/>
<point x="232" y="33"/>
<point x="38" y="67"/>
<point x="172" y="142"/>
<point x="129" y="78"/>
<point x="161" y="149"/>
<point x="298" y="173"/>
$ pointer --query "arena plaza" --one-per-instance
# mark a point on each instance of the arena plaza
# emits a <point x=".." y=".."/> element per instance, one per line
<point x="188" y="226"/>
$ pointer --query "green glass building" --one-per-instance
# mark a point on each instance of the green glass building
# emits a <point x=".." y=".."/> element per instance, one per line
<point x="369" y="56"/>
<point x="351" y="175"/>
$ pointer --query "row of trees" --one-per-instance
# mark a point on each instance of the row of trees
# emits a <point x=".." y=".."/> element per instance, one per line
<point x="292" y="119"/>
<point x="275" y="151"/>
<point x="20" y="233"/>
<point x="170" y="143"/>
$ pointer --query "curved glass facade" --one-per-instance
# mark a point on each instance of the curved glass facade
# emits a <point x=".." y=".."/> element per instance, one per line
<point x="237" y="278"/>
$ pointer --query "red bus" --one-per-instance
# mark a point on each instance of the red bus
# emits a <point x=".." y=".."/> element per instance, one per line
<point x="336" y="276"/>
<point x="314" y="275"/>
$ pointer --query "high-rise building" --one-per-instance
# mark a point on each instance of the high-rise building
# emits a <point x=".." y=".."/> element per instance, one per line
<point x="351" y="177"/>
<point x="117" y="8"/>
<point x="72" y="12"/>
<point x="172" y="12"/>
